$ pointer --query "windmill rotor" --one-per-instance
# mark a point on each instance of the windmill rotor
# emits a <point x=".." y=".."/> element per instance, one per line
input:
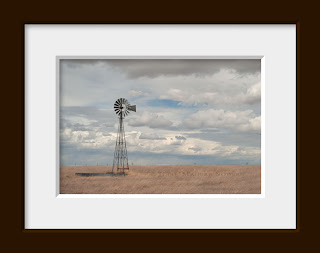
<point x="122" y="107"/>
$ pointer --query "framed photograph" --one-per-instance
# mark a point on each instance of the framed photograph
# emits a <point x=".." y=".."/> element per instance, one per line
<point x="186" y="126"/>
<point x="155" y="125"/>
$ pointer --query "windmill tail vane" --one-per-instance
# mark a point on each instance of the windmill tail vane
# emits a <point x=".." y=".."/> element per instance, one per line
<point x="120" y="160"/>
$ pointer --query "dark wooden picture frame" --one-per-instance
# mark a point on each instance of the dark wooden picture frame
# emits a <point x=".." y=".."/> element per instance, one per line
<point x="302" y="16"/>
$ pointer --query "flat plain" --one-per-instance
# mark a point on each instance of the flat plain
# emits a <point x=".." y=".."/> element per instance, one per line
<point x="164" y="179"/>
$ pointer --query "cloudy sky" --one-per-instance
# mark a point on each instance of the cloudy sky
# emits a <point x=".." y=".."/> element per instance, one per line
<point x="198" y="111"/>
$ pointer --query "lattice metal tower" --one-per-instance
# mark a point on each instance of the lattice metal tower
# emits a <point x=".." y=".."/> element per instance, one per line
<point x="120" y="160"/>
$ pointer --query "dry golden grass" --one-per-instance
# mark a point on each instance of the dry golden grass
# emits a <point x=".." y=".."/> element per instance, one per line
<point x="168" y="179"/>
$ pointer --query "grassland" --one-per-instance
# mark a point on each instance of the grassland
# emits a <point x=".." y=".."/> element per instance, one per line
<point x="164" y="179"/>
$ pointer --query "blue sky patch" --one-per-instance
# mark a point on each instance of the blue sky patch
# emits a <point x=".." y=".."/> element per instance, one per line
<point x="163" y="103"/>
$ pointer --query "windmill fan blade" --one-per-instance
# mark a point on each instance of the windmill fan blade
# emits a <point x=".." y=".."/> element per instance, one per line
<point x="132" y="108"/>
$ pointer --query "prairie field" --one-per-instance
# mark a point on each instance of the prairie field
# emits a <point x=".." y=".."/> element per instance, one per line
<point x="164" y="179"/>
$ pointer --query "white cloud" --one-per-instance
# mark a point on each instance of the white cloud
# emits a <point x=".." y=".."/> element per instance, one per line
<point x="198" y="95"/>
<point x="87" y="139"/>
<point x="151" y="120"/>
<point x="147" y="136"/>
<point x="189" y="146"/>
<point x="137" y="93"/>
<point x="195" y="149"/>
<point x="235" y="120"/>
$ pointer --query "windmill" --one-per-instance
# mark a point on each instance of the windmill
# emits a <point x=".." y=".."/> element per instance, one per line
<point x="120" y="160"/>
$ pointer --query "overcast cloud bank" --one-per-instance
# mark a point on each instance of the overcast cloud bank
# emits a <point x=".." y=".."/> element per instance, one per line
<point x="188" y="111"/>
